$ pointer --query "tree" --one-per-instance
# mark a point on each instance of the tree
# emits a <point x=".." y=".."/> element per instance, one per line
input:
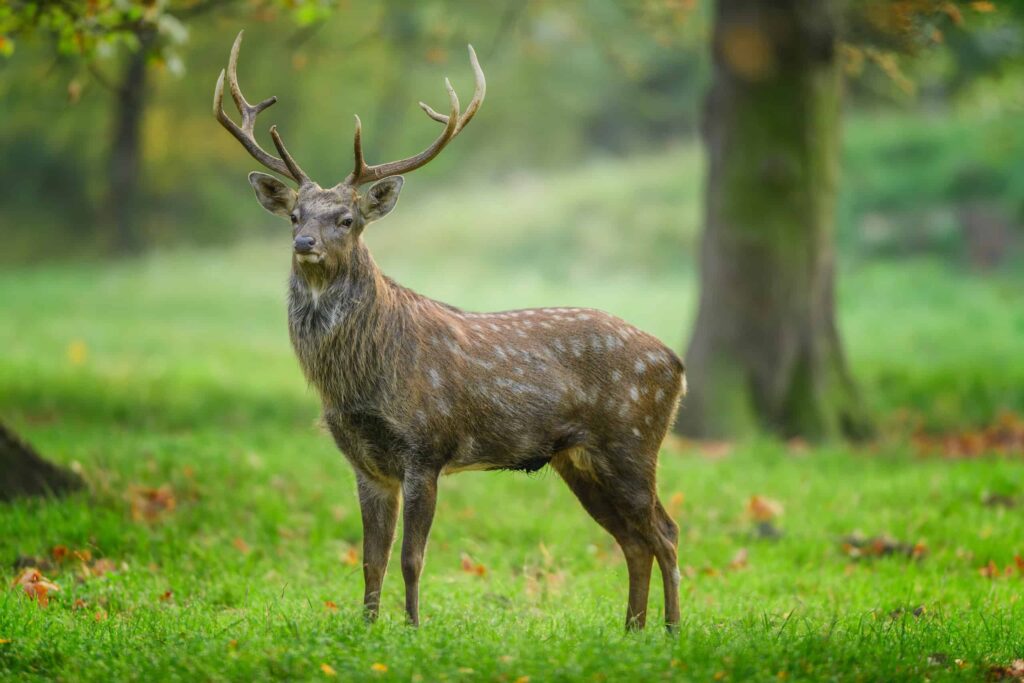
<point x="766" y="351"/>
<point x="24" y="473"/>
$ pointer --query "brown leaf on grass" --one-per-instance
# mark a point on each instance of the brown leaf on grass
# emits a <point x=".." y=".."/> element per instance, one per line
<point x="330" y="605"/>
<point x="1014" y="671"/>
<point x="241" y="546"/>
<point x="59" y="553"/>
<point x="100" y="567"/>
<point x="328" y="670"/>
<point x="739" y="560"/>
<point x="149" y="504"/>
<point x="763" y="509"/>
<point x="1005" y="436"/>
<point x="350" y="556"/>
<point x="998" y="500"/>
<point x="675" y="504"/>
<point x="857" y="546"/>
<point x="36" y="586"/>
<point x="470" y="566"/>
<point x="167" y="596"/>
<point x="990" y="570"/>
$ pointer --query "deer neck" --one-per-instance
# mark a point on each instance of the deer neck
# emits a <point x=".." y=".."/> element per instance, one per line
<point x="342" y="327"/>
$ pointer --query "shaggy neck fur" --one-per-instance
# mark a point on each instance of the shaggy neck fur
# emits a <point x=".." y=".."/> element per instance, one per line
<point x="351" y="330"/>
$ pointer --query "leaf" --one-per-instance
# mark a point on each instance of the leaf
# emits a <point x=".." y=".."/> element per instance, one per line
<point x="35" y="585"/>
<point x="351" y="557"/>
<point x="330" y="605"/>
<point x="241" y="546"/>
<point x="471" y="567"/>
<point x="78" y="352"/>
<point x="149" y="504"/>
<point x="328" y="669"/>
<point x="378" y="667"/>
<point x="167" y="596"/>
<point x="762" y="509"/>
<point x="739" y="560"/>
<point x="983" y="7"/>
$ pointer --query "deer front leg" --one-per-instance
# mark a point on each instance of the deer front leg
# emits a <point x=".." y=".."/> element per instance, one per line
<point x="419" y="493"/>
<point x="378" y="502"/>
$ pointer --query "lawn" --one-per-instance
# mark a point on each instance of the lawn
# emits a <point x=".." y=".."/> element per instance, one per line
<point x="171" y="376"/>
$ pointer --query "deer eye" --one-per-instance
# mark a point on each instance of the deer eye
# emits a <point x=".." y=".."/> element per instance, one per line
<point x="294" y="218"/>
<point x="346" y="222"/>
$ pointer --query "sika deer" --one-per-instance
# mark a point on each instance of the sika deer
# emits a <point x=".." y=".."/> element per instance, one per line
<point x="413" y="388"/>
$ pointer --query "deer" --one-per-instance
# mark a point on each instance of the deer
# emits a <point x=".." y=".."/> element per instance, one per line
<point x="413" y="389"/>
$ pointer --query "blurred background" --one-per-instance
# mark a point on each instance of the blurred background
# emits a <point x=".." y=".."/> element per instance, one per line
<point x="583" y="180"/>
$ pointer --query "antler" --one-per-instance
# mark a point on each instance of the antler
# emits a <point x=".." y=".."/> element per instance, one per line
<point x="286" y="165"/>
<point x="454" y="123"/>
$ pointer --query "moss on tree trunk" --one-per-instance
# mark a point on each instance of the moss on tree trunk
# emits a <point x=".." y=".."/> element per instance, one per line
<point x="766" y="353"/>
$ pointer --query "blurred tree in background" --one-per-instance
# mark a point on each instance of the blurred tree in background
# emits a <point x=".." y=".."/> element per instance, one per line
<point x="766" y="351"/>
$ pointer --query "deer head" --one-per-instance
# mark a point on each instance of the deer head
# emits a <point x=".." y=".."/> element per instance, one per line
<point x="327" y="222"/>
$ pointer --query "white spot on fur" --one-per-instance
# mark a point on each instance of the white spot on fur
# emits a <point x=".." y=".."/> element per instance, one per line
<point x="435" y="377"/>
<point x="639" y="366"/>
<point x="648" y="420"/>
<point x="658" y="395"/>
<point x="636" y="432"/>
<point x="616" y="375"/>
<point x="634" y="393"/>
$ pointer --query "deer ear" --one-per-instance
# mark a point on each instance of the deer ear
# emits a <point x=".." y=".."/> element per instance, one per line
<point x="273" y="195"/>
<point x="381" y="198"/>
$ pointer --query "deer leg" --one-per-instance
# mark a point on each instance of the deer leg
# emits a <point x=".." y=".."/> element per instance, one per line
<point x="639" y="557"/>
<point x="419" y="494"/>
<point x="665" y="538"/>
<point x="379" y="506"/>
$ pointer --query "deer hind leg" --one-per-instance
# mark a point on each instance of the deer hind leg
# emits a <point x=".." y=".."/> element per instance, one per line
<point x="633" y="494"/>
<point x="639" y="557"/>
<point x="419" y="498"/>
<point x="378" y="503"/>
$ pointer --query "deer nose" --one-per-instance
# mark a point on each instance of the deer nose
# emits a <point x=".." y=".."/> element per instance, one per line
<point x="304" y="244"/>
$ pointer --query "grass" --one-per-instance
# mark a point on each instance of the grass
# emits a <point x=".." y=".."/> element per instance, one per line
<point x="175" y="370"/>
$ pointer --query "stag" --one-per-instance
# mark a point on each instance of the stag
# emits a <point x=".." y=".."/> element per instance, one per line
<point x="413" y="388"/>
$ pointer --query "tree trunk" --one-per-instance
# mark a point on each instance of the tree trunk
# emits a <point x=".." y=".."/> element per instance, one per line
<point x="123" y="199"/>
<point x="765" y="352"/>
<point x="24" y="473"/>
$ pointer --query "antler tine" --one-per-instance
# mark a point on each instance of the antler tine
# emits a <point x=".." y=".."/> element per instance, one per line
<point x="474" y="104"/>
<point x="286" y="166"/>
<point x="454" y="123"/>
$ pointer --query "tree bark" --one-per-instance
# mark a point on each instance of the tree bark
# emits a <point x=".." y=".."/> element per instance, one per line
<point x="125" y="163"/>
<point x="24" y="473"/>
<point x="766" y="352"/>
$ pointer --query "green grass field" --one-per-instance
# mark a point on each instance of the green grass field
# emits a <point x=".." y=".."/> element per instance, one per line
<point x="174" y="370"/>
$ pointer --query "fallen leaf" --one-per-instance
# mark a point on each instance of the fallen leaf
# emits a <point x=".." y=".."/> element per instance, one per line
<point x="762" y="509"/>
<point x="328" y="669"/>
<point x="351" y="556"/>
<point x="35" y="585"/>
<point x="149" y="504"/>
<point x="472" y="567"/>
<point x="983" y="6"/>
<point x="78" y="352"/>
<point x="739" y="560"/>
<point x="101" y="615"/>
<point x="990" y="570"/>
<point x="166" y="596"/>
<point x="330" y="604"/>
<point x="59" y="553"/>
<point x="1013" y="672"/>
<point x="4" y="641"/>
<point x="378" y="667"/>
<point x="523" y="679"/>
<point x="675" y="504"/>
<point x="101" y="567"/>
<point x="241" y="546"/>
<point x="858" y="546"/>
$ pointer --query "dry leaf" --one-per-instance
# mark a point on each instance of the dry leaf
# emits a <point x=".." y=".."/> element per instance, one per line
<point x="328" y="669"/>
<point x="35" y="585"/>
<point x="762" y="509"/>
<point x="330" y="604"/>
<point x="351" y="557"/>
<point x="241" y="546"/>
<point x="166" y="596"/>
<point x="472" y="567"/>
<point x="378" y="667"/>
<point x="739" y="560"/>
<point x="151" y="505"/>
